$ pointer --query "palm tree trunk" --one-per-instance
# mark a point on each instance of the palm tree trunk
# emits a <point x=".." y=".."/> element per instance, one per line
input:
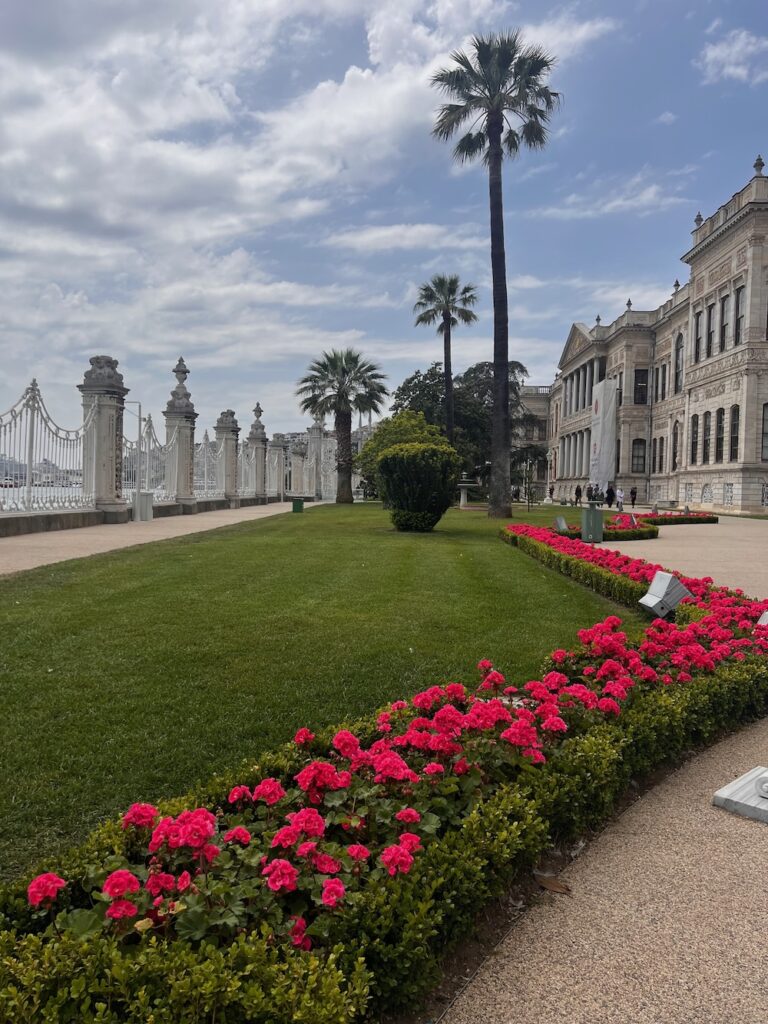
<point x="343" y="425"/>
<point x="499" y="501"/>
<point x="448" y="378"/>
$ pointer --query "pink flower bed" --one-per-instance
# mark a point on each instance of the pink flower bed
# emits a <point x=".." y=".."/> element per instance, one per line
<point x="612" y="561"/>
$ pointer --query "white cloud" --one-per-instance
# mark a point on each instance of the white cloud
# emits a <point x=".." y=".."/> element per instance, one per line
<point x="565" y="36"/>
<point x="739" y="56"/>
<point x="393" y="237"/>
<point x="713" y="26"/>
<point x="636" y="195"/>
<point x="666" y="118"/>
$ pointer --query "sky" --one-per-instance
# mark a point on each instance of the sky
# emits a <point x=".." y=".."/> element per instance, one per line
<point x="248" y="183"/>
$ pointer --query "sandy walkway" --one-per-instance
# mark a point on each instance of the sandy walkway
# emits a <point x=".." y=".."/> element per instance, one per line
<point x="33" y="549"/>
<point x="667" y="923"/>
<point x="734" y="552"/>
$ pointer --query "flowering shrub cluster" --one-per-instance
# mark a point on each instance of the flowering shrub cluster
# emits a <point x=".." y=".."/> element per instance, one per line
<point x="624" y="521"/>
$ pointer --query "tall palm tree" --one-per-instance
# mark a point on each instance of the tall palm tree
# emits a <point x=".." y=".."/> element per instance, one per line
<point x="501" y="94"/>
<point x="339" y="383"/>
<point x="441" y="301"/>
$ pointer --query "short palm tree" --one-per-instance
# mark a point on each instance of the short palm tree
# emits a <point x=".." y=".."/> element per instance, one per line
<point x="338" y="384"/>
<point x="444" y="302"/>
<point x="500" y="93"/>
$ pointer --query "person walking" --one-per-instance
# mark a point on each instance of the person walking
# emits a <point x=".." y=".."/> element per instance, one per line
<point x="551" y="491"/>
<point x="610" y="496"/>
<point x="620" y="499"/>
<point x="633" y="496"/>
<point x="590" y="493"/>
<point x="577" y="492"/>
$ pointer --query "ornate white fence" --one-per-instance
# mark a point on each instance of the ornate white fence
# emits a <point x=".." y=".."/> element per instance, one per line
<point x="152" y="465"/>
<point x="44" y="467"/>
<point x="208" y="478"/>
<point x="246" y="469"/>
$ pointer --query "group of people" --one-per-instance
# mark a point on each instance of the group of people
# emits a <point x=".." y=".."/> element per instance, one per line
<point x="595" y="494"/>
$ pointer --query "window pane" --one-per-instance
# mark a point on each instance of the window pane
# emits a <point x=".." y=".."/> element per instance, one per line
<point x="734" y="440"/>
<point x="641" y="387"/>
<point x="638" y="455"/>
<point x="723" y="320"/>
<point x="697" y="339"/>
<point x="675" y="445"/>
<point x="706" y="438"/>
<point x="694" y="439"/>
<point x="710" y="329"/>
<point x="738" y="316"/>
<point x="661" y="454"/>
<point x="719" y="434"/>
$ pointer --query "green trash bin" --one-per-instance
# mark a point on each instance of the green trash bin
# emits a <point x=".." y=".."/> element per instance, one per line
<point x="592" y="523"/>
<point x="298" y="504"/>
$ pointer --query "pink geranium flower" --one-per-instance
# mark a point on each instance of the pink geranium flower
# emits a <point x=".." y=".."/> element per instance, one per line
<point x="44" y="888"/>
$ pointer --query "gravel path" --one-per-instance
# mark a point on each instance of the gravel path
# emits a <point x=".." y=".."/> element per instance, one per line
<point x="667" y="924"/>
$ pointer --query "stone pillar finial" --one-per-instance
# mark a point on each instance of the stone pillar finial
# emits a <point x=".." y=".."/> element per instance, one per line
<point x="227" y="430"/>
<point x="629" y="304"/>
<point x="759" y="165"/>
<point x="598" y="319"/>
<point x="676" y="285"/>
<point x="103" y="388"/>
<point x="180" y="419"/>
<point x="698" y="220"/>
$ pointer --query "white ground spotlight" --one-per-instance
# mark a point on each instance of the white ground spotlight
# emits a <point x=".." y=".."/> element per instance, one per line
<point x="763" y="620"/>
<point x="664" y="594"/>
<point x="560" y="525"/>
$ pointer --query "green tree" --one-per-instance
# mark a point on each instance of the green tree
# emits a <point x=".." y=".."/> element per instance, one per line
<point x="444" y="302"/>
<point x="403" y="428"/>
<point x="338" y="384"/>
<point x="500" y="92"/>
<point x="473" y="395"/>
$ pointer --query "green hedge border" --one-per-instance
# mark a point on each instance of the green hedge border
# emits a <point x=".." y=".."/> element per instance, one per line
<point x="649" y="532"/>
<point x="680" y="520"/>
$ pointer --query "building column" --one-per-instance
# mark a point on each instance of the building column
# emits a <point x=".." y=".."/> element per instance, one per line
<point x="103" y="388"/>
<point x="587" y="448"/>
<point x="590" y="381"/>
<point x="579" y="452"/>
<point x="583" y="374"/>
<point x="561" y="459"/>
<point x="180" y="419"/>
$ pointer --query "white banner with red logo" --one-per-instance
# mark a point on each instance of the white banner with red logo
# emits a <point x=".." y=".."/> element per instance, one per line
<point x="602" y="455"/>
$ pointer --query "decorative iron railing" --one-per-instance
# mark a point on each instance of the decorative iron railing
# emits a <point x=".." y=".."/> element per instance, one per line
<point x="150" y="465"/>
<point x="208" y="476"/>
<point x="44" y="467"/>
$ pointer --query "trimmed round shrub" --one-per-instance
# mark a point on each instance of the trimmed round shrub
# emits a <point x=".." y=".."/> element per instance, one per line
<point x="419" y="482"/>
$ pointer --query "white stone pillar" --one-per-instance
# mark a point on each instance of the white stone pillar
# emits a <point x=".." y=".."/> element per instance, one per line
<point x="103" y="388"/>
<point x="315" y="455"/>
<point x="257" y="441"/>
<point x="227" y="431"/>
<point x="587" y="448"/>
<point x="590" y="381"/>
<point x="583" y="387"/>
<point x="180" y="419"/>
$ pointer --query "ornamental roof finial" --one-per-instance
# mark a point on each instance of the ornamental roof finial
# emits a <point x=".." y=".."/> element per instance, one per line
<point x="759" y="165"/>
<point x="698" y="220"/>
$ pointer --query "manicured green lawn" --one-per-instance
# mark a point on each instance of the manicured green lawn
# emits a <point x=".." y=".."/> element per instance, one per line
<point x="130" y="676"/>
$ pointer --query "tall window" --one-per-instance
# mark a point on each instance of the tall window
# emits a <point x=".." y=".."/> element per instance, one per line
<point x="710" y="329"/>
<point x="738" y="316"/>
<point x="697" y="338"/>
<point x="764" y="450"/>
<point x="694" y="439"/>
<point x="641" y="387"/>
<point x="656" y="381"/>
<point x="620" y="389"/>
<point x="719" y="434"/>
<point x="618" y="456"/>
<point x="675" y="444"/>
<point x="733" y="454"/>
<point x="654" y="450"/>
<point x="661" y="454"/>
<point x="706" y="437"/>
<point x="679" y="364"/>
<point x="638" y="453"/>
<point x="663" y="381"/>
<point x="723" y="321"/>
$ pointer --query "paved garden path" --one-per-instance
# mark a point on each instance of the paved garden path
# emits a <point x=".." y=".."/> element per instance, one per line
<point x="33" y="549"/>
<point x="667" y="922"/>
<point x="734" y="552"/>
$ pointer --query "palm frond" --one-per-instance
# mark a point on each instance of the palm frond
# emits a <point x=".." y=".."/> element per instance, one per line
<point x="470" y="146"/>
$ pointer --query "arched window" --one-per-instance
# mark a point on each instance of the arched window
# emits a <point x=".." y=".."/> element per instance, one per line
<point x="661" y="454"/>
<point x="638" y="454"/>
<point x="694" y="439"/>
<point x="675" y="444"/>
<point x="706" y="437"/>
<point x="764" y="451"/>
<point x="719" y="434"/>
<point x="654" y="452"/>
<point x="733" y="455"/>
<point x="679" y="364"/>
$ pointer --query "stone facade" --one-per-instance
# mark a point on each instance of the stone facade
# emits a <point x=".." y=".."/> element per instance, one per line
<point x="692" y="376"/>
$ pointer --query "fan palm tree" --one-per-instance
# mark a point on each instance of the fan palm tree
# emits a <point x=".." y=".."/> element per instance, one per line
<point x="338" y="384"/>
<point x="443" y="302"/>
<point x="500" y="94"/>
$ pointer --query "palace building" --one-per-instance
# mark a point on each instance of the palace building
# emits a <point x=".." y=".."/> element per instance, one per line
<point x="690" y="378"/>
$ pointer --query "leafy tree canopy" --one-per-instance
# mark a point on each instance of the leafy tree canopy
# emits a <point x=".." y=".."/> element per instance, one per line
<point x="404" y="427"/>
<point x="424" y="392"/>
